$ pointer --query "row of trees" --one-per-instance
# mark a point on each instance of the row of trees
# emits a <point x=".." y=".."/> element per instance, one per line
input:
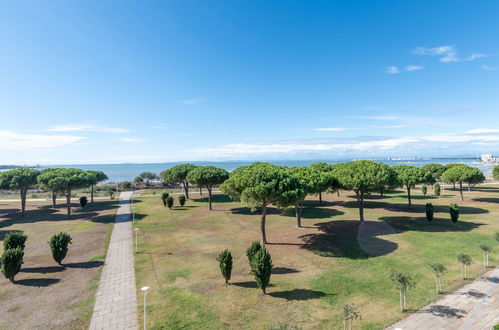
<point x="57" y="181"/>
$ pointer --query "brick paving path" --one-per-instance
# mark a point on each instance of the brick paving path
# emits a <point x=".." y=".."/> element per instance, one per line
<point x="116" y="300"/>
<point x="475" y="306"/>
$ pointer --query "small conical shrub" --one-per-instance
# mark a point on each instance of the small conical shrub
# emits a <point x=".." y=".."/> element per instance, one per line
<point x="14" y="239"/>
<point x="424" y="189"/>
<point x="437" y="189"/>
<point x="454" y="212"/>
<point x="252" y="250"/>
<point x="59" y="245"/>
<point x="181" y="200"/>
<point x="164" y="196"/>
<point x="261" y="268"/>
<point x="225" y="263"/>
<point x="429" y="211"/>
<point x="169" y="202"/>
<point x="10" y="262"/>
<point x="83" y="201"/>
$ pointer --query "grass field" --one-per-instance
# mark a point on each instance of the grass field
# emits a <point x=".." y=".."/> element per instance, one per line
<point x="317" y="269"/>
<point x="45" y="295"/>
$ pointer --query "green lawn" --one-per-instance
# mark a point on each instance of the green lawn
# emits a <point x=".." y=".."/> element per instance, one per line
<point x="317" y="269"/>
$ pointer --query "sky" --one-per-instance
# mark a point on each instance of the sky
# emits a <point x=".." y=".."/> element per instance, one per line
<point x="178" y="80"/>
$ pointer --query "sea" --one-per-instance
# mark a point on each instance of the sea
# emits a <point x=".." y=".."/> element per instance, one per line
<point x="127" y="172"/>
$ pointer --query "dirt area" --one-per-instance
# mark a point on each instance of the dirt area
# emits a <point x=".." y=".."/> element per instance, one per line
<point x="44" y="294"/>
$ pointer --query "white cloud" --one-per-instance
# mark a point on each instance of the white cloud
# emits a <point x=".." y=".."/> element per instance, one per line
<point x="86" y="128"/>
<point x="475" y="56"/>
<point x="194" y="101"/>
<point x="482" y="131"/>
<point x="447" y="53"/>
<point x="161" y="127"/>
<point x="130" y="139"/>
<point x="330" y="129"/>
<point x="489" y="68"/>
<point x="18" y="141"/>
<point x="392" y="70"/>
<point x="411" y="68"/>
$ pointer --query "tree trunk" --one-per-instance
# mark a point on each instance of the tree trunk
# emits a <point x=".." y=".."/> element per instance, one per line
<point x="54" y="199"/>
<point x="68" y="202"/>
<point x="262" y="226"/>
<point x="465" y="272"/>
<point x="454" y="187"/>
<point x="360" y="201"/>
<point x="409" y="194"/>
<point x="24" y="192"/>
<point x="469" y="186"/>
<point x="461" y="190"/>
<point x="186" y="188"/>
<point x="200" y="190"/>
<point x="462" y="271"/>
<point x="298" y="215"/>
<point x="209" y="196"/>
<point x="91" y="193"/>
<point x="401" y="301"/>
<point x="320" y="198"/>
<point x="439" y="284"/>
<point x="487" y="259"/>
<point x="381" y="193"/>
<point x="436" y="285"/>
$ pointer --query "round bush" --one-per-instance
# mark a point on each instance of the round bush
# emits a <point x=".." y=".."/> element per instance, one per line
<point x="181" y="200"/>
<point x="11" y="262"/>
<point x="14" y="239"/>
<point x="59" y="245"/>
<point x="83" y="201"/>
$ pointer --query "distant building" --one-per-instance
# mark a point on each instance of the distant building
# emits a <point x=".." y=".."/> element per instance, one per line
<point x="489" y="158"/>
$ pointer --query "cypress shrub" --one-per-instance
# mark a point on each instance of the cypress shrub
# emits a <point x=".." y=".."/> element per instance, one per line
<point x="429" y="211"/>
<point x="14" y="239"/>
<point x="10" y="262"/>
<point x="83" y="201"/>
<point x="454" y="212"/>
<point x="225" y="263"/>
<point x="59" y="246"/>
<point x="169" y="202"/>
<point x="252" y="250"/>
<point x="164" y="196"/>
<point x="424" y="189"/>
<point x="181" y="200"/>
<point x="261" y="268"/>
<point x="437" y="189"/>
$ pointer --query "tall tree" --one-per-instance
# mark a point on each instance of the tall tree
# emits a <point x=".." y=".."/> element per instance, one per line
<point x="178" y="175"/>
<point x="261" y="185"/>
<point x="304" y="174"/>
<point x="363" y="177"/>
<point x="148" y="176"/>
<point x="21" y="179"/>
<point x="463" y="173"/>
<point x="64" y="180"/>
<point x="434" y="171"/>
<point x="321" y="179"/>
<point x="94" y="177"/>
<point x="410" y="176"/>
<point x="50" y="187"/>
<point x="208" y="176"/>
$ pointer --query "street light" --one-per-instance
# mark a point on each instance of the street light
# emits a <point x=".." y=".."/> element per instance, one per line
<point x="144" y="289"/>
<point x="136" y="240"/>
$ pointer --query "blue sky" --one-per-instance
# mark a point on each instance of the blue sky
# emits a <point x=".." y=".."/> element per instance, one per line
<point x="145" y="81"/>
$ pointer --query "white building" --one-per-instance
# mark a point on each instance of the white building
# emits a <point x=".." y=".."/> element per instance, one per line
<point x="489" y="158"/>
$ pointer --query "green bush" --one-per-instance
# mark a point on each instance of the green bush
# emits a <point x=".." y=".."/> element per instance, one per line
<point x="424" y="189"/>
<point x="496" y="327"/>
<point x="14" y="239"/>
<point x="252" y="250"/>
<point x="83" y="201"/>
<point x="429" y="211"/>
<point x="225" y="263"/>
<point x="261" y="268"/>
<point x="454" y="212"/>
<point x="169" y="202"/>
<point x="11" y="262"/>
<point x="437" y="189"/>
<point x="181" y="200"/>
<point x="164" y="196"/>
<point x="59" y="246"/>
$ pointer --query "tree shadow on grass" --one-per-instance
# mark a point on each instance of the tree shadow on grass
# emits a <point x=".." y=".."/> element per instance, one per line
<point x="415" y="208"/>
<point x="247" y="211"/>
<point x="38" y="282"/>
<point x="218" y="198"/>
<point x="248" y="284"/>
<point x="298" y="294"/>
<point x="487" y="199"/>
<point x="335" y="239"/>
<point x="43" y="270"/>
<point x="403" y="224"/>
<point x="85" y="265"/>
<point x="284" y="270"/>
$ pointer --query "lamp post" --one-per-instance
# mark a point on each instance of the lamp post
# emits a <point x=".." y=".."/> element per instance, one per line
<point x="136" y="240"/>
<point x="144" y="289"/>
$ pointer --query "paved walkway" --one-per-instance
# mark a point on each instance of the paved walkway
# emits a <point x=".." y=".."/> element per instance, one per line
<point x="475" y="306"/>
<point x="116" y="300"/>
